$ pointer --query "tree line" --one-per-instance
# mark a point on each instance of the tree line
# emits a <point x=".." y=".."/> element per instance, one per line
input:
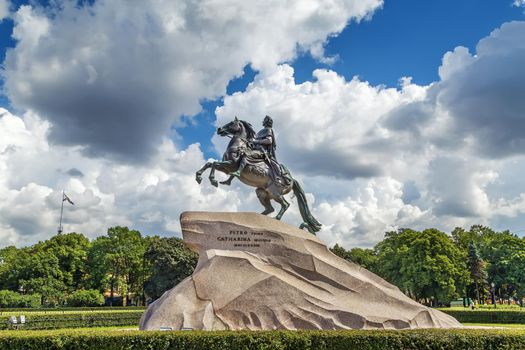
<point x="435" y="268"/>
<point x="70" y="270"/>
<point x="429" y="266"/>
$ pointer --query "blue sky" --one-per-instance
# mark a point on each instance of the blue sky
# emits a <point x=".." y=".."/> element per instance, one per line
<point x="404" y="38"/>
<point x="117" y="103"/>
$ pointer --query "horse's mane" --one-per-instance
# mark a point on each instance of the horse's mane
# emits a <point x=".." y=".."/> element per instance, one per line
<point x="250" y="133"/>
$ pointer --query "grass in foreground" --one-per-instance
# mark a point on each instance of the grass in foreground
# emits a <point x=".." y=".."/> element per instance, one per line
<point x="70" y="330"/>
<point x="497" y="325"/>
<point x="117" y="329"/>
<point x="499" y="308"/>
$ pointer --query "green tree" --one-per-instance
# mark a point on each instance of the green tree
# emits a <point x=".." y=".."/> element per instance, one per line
<point x="477" y="270"/>
<point x="496" y="249"/>
<point x="9" y="268"/>
<point x="516" y="269"/>
<point x="97" y="263"/>
<point x="364" y="257"/>
<point x="339" y="251"/>
<point x="506" y="262"/>
<point x="463" y="238"/>
<point x="71" y="250"/>
<point x="90" y="297"/>
<point x="361" y="256"/>
<point x="170" y="262"/>
<point x="116" y="262"/>
<point x="39" y="272"/>
<point x="426" y="265"/>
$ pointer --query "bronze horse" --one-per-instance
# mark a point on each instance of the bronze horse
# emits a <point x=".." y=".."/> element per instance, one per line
<point x="257" y="175"/>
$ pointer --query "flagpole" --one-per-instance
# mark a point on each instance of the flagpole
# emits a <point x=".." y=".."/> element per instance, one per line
<point x="61" y="212"/>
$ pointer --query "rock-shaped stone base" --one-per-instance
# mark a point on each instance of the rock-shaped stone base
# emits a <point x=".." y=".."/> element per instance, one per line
<point x="255" y="272"/>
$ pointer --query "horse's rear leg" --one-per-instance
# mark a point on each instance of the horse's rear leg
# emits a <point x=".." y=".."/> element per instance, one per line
<point x="264" y="198"/>
<point x="284" y="206"/>
<point x="198" y="174"/>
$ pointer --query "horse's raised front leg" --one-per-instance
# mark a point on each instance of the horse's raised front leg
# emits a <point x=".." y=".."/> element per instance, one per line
<point x="228" y="182"/>
<point x="284" y="206"/>
<point x="198" y="174"/>
<point x="212" y="175"/>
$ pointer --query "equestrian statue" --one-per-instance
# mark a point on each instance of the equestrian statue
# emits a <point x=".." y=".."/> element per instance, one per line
<point x="251" y="158"/>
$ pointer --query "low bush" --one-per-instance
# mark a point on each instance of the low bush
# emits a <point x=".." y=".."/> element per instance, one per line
<point x="487" y="315"/>
<point x="18" y="310"/>
<point x="74" y="320"/>
<point x="456" y="339"/>
<point x="501" y="307"/>
<point x="90" y="297"/>
<point x="11" y="299"/>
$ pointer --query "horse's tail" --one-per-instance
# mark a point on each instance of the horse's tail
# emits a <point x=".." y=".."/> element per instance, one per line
<point x="309" y="221"/>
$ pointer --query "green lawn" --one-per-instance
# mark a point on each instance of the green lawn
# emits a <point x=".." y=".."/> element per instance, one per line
<point x="117" y="329"/>
<point x="502" y="325"/>
<point x="485" y="308"/>
<point x="112" y="329"/>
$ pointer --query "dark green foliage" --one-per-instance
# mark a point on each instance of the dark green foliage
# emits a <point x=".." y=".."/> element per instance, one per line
<point x="71" y="251"/>
<point x="19" y="310"/>
<point x="117" y="263"/>
<point x="434" y="268"/>
<point x="426" y="265"/>
<point x="10" y="299"/>
<point x="503" y="254"/>
<point x="57" y="268"/>
<point x="364" y="257"/>
<point x="340" y="251"/>
<point x="280" y="340"/>
<point x="52" y="269"/>
<point x="360" y="256"/>
<point x="76" y="320"/>
<point x="170" y="262"/>
<point x="477" y="270"/>
<point x="88" y="297"/>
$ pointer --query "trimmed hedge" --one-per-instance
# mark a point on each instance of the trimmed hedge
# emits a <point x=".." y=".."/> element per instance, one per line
<point x="456" y="339"/>
<point x="75" y="320"/>
<point x="68" y="309"/>
<point x="487" y="316"/>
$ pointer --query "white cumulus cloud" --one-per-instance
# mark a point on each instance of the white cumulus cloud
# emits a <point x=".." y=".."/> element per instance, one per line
<point x="380" y="158"/>
<point x="114" y="75"/>
<point x="519" y="3"/>
<point x="4" y="9"/>
<point x="110" y="78"/>
<point x="148" y="197"/>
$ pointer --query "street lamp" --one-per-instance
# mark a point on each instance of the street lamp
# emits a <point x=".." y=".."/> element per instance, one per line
<point x="492" y="291"/>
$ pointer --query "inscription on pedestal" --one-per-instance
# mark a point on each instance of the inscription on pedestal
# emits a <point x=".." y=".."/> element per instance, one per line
<point x="244" y="239"/>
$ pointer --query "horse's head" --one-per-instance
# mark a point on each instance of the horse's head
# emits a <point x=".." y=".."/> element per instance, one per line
<point x="236" y="128"/>
<point x="232" y="128"/>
